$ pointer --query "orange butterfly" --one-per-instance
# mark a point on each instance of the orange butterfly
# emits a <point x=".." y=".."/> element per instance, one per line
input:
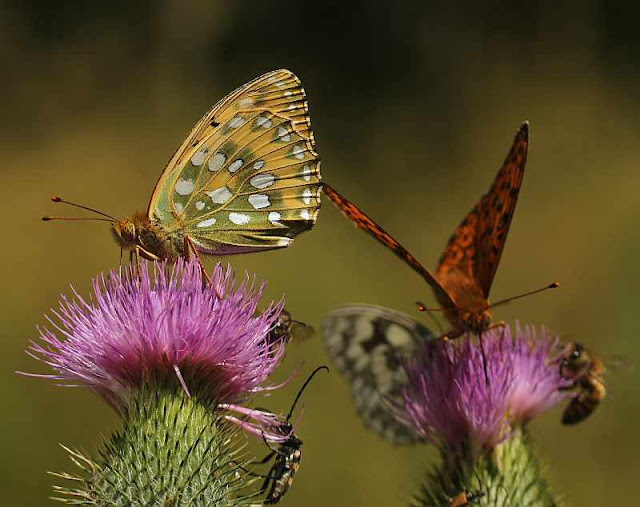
<point x="464" y="274"/>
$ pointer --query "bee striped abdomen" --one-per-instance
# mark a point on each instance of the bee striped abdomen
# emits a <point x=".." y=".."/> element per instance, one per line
<point x="591" y="391"/>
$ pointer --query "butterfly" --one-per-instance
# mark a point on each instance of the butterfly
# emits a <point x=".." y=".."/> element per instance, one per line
<point x="246" y="179"/>
<point x="466" y="269"/>
<point x="369" y="344"/>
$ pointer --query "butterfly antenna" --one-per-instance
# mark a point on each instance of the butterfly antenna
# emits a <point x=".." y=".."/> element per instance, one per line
<point x="306" y="383"/>
<point x="422" y="308"/>
<point x="50" y="218"/>
<point x="508" y="300"/>
<point x="56" y="198"/>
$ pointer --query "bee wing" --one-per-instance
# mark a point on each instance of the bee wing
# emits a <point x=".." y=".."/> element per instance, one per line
<point x="301" y="331"/>
<point x="369" y="344"/>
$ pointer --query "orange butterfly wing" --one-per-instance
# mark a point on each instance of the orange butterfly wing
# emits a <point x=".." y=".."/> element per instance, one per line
<point x="475" y="247"/>
<point x="362" y="221"/>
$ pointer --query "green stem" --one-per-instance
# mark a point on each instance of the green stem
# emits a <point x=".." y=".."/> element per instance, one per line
<point x="171" y="450"/>
<point x="510" y="476"/>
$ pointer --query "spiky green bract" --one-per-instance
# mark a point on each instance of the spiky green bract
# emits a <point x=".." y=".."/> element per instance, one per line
<point x="171" y="450"/>
<point x="510" y="475"/>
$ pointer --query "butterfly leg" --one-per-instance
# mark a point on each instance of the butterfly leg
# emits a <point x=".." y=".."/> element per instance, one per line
<point x="451" y="335"/>
<point x="496" y="325"/>
<point x="190" y="247"/>
<point x="134" y="260"/>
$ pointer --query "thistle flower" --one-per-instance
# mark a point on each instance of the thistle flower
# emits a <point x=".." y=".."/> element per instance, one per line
<point x="480" y="426"/>
<point x="449" y="401"/>
<point x="173" y="354"/>
<point x="135" y="329"/>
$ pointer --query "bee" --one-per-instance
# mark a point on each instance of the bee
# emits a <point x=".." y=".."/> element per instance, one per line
<point x="464" y="498"/>
<point x="586" y="371"/>
<point x="286" y="457"/>
<point x="286" y="328"/>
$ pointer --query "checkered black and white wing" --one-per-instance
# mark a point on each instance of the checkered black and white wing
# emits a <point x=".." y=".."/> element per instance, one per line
<point x="368" y="344"/>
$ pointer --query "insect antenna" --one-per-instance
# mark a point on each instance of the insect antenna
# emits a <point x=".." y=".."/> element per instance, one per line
<point x="423" y="308"/>
<point x="50" y="218"/>
<point x="56" y="198"/>
<point x="306" y="383"/>
<point x="508" y="300"/>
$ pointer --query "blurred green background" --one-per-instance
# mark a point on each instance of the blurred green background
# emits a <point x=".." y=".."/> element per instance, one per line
<point x="414" y="105"/>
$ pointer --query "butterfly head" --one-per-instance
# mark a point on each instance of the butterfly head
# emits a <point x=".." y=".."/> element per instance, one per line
<point x="124" y="232"/>
<point x="475" y="321"/>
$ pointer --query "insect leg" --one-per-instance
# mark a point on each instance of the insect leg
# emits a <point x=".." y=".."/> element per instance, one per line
<point x="495" y="325"/>
<point x="266" y="483"/>
<point x="134" y="260"/>
<point x="265" y="459"/>
<point x="273" y="451"/>
<point x="190" y="247"/>
<point x="451" y="335"/>
<point x="253" y="474"/>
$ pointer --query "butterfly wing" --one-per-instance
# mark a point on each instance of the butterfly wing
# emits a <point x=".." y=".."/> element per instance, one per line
<point x="368" y="344"/>
<point x="247" y="177"/>
<point x="367" y="224"/>
<point x="475" y="248"/>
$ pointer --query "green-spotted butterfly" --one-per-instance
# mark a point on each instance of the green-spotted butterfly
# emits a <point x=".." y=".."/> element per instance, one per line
<point x="247" y="178"/>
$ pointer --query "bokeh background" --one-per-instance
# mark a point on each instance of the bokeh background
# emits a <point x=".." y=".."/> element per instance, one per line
<point x="414" y="105"/>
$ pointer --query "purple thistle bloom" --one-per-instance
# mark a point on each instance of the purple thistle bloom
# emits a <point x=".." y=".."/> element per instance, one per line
<point x="136" y="329"/>
<point x="449" y="402"/>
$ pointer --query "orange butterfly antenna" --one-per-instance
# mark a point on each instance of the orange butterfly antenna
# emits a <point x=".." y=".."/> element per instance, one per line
<point x="424" y="308"/>
<point x="508" y="300"/>
<point x="56" y="198"/>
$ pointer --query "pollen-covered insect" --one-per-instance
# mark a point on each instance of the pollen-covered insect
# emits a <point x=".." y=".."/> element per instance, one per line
<point x="368" y="344"/>
<point x="466" y="269"/>
<point x="247" y="178"/>
<point x="586" y="372"/>
<point x="286" y="457"/>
